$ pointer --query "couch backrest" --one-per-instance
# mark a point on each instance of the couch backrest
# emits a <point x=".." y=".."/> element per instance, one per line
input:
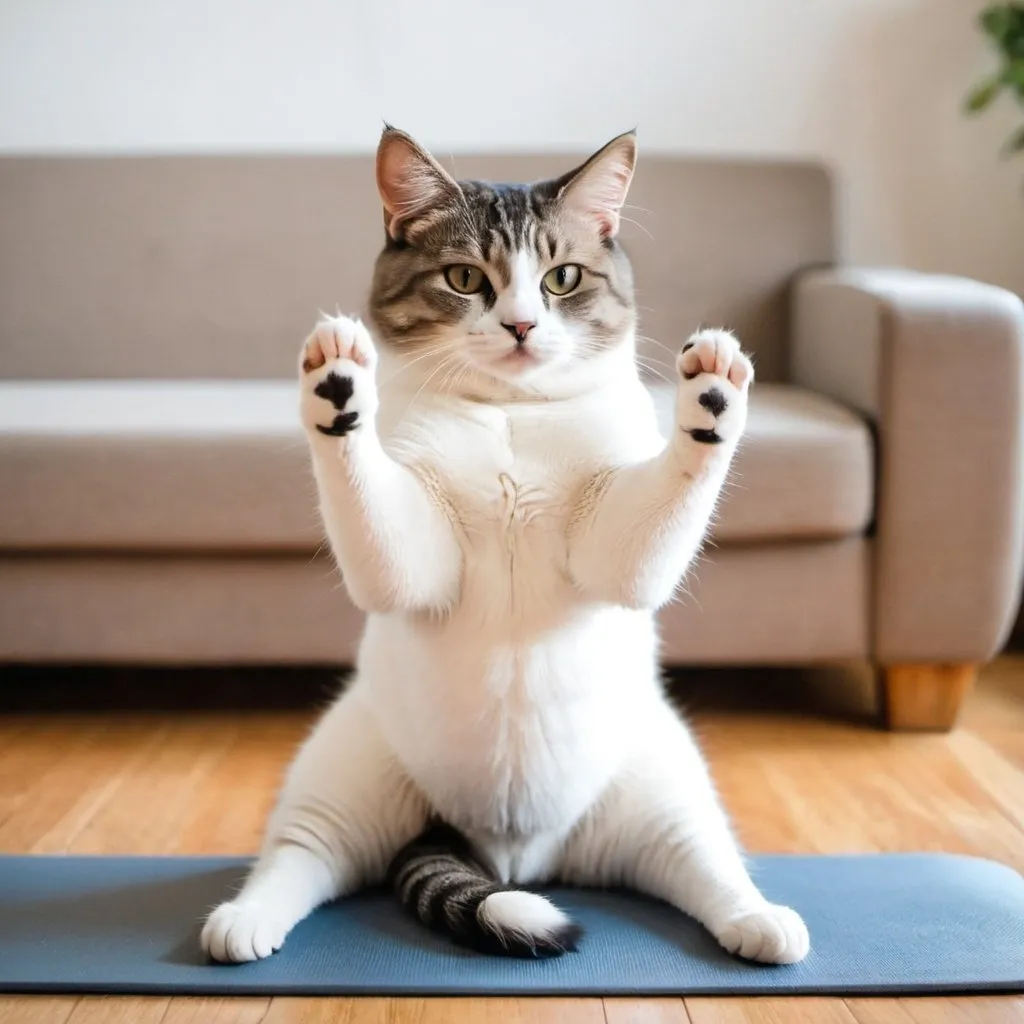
<point x="216" y="266"/>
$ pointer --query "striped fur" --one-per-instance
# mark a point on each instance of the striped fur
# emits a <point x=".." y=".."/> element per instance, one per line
<point x="434" y="221"/>
<point x="449" y="887"/>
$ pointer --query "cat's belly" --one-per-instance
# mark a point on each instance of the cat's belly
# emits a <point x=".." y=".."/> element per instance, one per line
<point x="509" y="738"/>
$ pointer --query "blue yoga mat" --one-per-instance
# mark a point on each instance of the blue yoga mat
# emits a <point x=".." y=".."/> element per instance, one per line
<point x="889" y="923"/>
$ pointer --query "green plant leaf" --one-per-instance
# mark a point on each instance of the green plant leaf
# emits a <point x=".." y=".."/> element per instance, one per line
<point x="1015" y="143"/>
<point x="1013" y="76"/>
<point x="1012" y="41"/>
<point x="997" y="20"/>
<point x="982" y="95"/>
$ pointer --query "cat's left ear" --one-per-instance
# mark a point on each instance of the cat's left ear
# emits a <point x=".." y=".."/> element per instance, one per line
<point x="412" y="184"/>
<point x="597" y="189"/>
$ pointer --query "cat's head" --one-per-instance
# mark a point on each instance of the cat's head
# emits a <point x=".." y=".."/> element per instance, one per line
<point x="517" y="284"/>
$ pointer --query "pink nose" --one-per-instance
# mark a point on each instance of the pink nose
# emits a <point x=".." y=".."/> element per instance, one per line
<point x="519" y="330"/>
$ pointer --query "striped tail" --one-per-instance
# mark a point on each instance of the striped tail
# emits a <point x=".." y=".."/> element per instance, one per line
<point x="441" y="880"/>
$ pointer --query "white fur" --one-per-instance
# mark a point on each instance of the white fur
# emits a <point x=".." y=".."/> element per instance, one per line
<point x="522" y="915"/>
<point x="511" y="546"/>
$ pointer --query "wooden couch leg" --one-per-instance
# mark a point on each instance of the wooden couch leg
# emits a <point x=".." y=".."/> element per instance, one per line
<point x="925" y="697"/>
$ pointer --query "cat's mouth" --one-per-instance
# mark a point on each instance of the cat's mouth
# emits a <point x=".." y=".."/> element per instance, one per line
<point x="521" y="356"/>
<point x="519" y="362"/>
<point x="510" y="362"/>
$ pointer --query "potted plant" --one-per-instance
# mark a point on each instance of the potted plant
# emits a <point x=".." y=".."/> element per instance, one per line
<point x="1003" y="23"/>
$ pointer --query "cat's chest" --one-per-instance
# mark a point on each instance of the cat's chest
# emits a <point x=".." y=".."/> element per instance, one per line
<point x="512" y="475"/>
<point x="510" y="481"/>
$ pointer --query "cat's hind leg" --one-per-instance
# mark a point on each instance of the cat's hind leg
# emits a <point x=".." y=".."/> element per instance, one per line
<point x="661" y="830"/>
<point x="346" y="808"/>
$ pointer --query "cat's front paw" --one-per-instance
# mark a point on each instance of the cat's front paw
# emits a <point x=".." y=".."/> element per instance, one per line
<point x="235" y="934"/>
<point x="714" y="377"/>
<point x="336" y="368"/>
<point x="771" y="935"/>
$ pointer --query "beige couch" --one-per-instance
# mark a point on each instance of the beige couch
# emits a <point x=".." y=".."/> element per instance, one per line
<point x="158" y="507"/>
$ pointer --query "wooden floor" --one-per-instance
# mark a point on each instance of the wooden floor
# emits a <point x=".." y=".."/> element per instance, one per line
<point x="805" y="771"/>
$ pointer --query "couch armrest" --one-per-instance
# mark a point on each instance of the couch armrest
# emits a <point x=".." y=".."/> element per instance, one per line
<point x="938" y="364"/>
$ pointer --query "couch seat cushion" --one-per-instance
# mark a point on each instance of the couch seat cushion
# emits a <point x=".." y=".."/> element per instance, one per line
<point x="804" y="470"/>
<point x="222" y="466"/>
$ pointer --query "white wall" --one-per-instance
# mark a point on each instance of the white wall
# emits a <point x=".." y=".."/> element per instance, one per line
<point x="871" y="86"/>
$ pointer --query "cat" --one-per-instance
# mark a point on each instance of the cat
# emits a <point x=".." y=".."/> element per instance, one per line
<point x="500" y="502"/>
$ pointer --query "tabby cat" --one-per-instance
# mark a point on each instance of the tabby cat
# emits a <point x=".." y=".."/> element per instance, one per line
<point x="500" y="502"/>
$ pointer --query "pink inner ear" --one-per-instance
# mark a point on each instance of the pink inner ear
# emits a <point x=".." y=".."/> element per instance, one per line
<point x="608" y="223"/>
<point x="408" y="185"/>
<point x="604" y="204"/>
<point x="600" y="192"/>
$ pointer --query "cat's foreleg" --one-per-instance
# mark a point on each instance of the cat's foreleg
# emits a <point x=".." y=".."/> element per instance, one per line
<point x="636" y="528"/>
<point x="390" y="533"/>
<point x="661" y="830"/>
<point x="346" y="808"/>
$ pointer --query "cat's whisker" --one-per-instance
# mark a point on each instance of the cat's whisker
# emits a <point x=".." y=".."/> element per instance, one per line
<point x="447" y="361"/>
<point x="637" y="225"/>
<point x="654" y="370"/>
<point x="460" y="375"/>
<point x="455" y="373"/>
<point x="654" y="341"/>
<point x="434" y="351"/>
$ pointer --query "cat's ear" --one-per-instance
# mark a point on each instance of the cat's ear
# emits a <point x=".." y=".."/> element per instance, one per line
<point x="597" y="189"/>
<point x="412" y="184"/>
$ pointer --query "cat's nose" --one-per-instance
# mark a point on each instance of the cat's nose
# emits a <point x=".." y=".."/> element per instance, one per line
<point x="519" y="330"/>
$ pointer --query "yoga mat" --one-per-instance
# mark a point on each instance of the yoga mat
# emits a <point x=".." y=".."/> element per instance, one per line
<point x="885" y="924"/>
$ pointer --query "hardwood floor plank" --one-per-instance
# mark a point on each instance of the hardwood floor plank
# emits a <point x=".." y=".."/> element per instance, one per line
<point x="63" y="800"/>
<point x="998" y="702"/>
<point x="879" y="792"/>
<point x="31" y="749"/>
<point x="646" y="1011"/>
<point x="538" y="1010"/>
<point x="996" y="711"/>
<point x="36" y="1009"/>
<point x="229" y="811"/>
<point x="939" y="1010"/>
<point x="230" y="1010"/>
<point x="368" y="1010"/>
<point x="158" y="791"/>
<point x="1002" y="779"/>
<point x="769" y="1010"/>
<point x="120" y="1010"/>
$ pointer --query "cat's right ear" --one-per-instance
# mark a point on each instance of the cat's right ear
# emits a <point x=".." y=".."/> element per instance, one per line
<point x="597" y="189"/>
<point x="412" y="184"/>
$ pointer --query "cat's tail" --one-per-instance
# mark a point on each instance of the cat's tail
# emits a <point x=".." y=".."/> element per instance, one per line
<point x="441" y="879"/>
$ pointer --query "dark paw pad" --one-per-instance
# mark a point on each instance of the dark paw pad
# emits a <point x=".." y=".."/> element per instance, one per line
<point x="337" y="390"/>
<point x="714" y="401"/>
<point x="705" y="436"/>
<point x="342" y="425"/>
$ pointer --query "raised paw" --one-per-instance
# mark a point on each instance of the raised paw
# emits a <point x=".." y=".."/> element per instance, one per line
<point x="716" y="352"/>
<point x="772" y="935"/>
<point x="236" y="934"/>
<point x="715" y="376"/>
<point x="337" y="369"/>
<point x="338" y="337"/>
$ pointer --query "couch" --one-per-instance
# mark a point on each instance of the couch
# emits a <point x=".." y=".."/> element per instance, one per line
<point x="158" y="505"/>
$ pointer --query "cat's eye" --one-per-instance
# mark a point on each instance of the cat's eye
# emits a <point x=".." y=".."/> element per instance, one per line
<point x="465" y="279"/>
<point x="563" y="279"/>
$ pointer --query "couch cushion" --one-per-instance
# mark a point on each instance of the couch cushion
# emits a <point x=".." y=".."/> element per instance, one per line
<point x="805" y="468"/>
<point x="212" y="465"/>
